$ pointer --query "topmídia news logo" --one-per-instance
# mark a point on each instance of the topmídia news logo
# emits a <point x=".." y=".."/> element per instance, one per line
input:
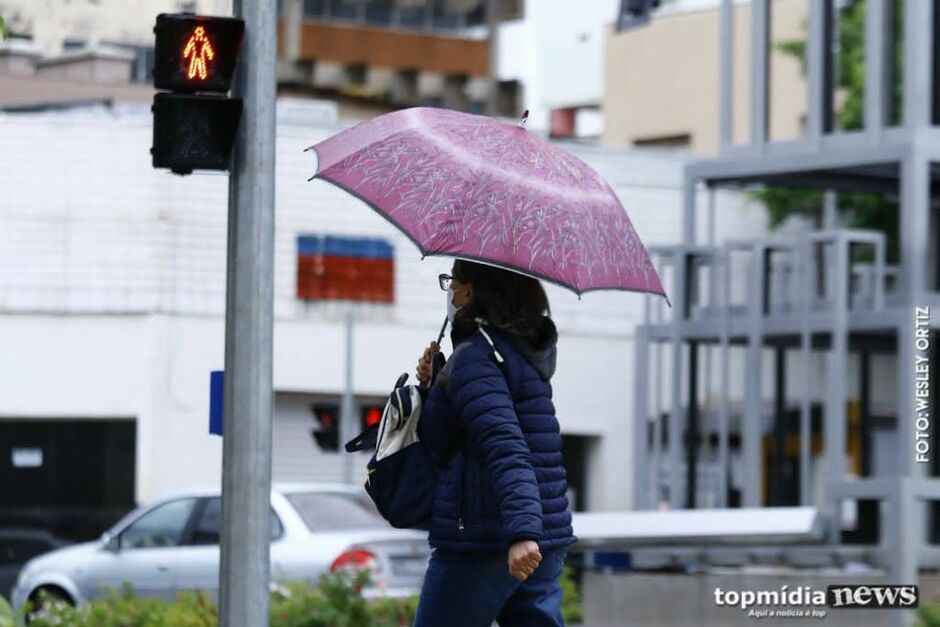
<point x="804" y="601"/>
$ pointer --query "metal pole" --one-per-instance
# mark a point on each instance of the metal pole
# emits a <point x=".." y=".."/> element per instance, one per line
<point x="347" y="420"/>
<point x="249" y="316"/>
<point x="725" y="119"/>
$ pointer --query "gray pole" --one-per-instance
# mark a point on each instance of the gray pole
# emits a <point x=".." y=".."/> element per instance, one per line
<point x="347" y="420"/>
<point x="246" y="452"/>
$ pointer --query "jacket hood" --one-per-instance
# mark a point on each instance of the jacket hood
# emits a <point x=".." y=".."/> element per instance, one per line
<point x="538" y="345"/>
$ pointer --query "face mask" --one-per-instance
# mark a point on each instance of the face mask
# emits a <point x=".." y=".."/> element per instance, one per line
<point x="451" y="308"/>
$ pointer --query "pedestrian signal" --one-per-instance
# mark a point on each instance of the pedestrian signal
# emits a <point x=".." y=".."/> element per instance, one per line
<point x="193" y="55"/>
<point x="326" y="433"/>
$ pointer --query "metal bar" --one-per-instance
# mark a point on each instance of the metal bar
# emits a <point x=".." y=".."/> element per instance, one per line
<point x="918" y="81"/>
<point x="711" y="221"/>
<point x="879" y="287"/>
<point x="752" y="418"/>
<point x="693" y="430"/>
<point x="835" y="424"/>
<point x="864" y="400"/>
<point x="781" y="429"/>
<point x="249" y="318"/>
<point x="725" y="382"/>
<point x="676" y="418"/>
<point x="655" y="465"/>
<point x="726" y="110"/>
<point x="903" y="540"/>
<point x="760" y="70"/>
<point x="688" y="213"/>
<point x="878" y="32"/>
<point x="815" y="72"/>
<point x="641" y="421"/>
<point x="293" y="17"/>
<point x="492" y="37"/>
<point x="915" y="212"/>
<point x="806" y="292"/>
<point x="347" y="421"/>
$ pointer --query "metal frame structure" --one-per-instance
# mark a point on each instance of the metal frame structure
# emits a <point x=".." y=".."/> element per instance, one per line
<point x="859" y="310"/>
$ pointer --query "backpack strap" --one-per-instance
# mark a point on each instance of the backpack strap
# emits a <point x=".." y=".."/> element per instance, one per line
<point x="499" y="358"/>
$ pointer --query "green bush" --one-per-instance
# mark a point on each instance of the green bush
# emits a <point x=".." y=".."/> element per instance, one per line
<point x="928" y="615"/>
<point x="335" y="602"/>
<point x="570" y="598"/>
<point x="6" y="614"/>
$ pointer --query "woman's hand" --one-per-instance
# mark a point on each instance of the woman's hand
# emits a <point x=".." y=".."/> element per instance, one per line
<point x="424" y="364"/>
<point x="524" y="558"/>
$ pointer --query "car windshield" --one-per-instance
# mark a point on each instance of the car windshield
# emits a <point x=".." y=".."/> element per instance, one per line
<point x="335" y="511"/>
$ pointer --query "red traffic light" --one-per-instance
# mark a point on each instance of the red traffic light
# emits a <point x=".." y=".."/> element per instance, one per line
<point x="196" y="52"/>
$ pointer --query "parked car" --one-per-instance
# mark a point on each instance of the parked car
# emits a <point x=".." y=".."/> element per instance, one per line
<point x="173" y="545"/>
<point x="18" y="546"/>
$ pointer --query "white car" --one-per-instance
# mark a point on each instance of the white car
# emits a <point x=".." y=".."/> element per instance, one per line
<point x="173" y="545"/>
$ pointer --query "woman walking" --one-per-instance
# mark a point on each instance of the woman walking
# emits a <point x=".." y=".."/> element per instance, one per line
<point x="500" y="523"/>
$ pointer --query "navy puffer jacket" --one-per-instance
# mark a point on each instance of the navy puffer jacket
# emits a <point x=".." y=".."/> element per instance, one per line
<point x="492" y="429"/>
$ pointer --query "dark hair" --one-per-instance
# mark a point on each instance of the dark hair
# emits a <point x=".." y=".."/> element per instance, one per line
<point x="501" y="297"/>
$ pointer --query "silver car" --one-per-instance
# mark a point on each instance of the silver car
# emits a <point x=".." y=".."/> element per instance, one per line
<point x="173" y="545"/>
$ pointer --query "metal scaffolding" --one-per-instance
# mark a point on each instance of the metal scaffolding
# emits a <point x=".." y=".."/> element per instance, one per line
<point x="806" y="299"/>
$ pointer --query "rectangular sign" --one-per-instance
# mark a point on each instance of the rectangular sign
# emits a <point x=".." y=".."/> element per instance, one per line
<point x="216" y="397"/>
<point x="345" y="268"/>
<point x="26" y="457"/>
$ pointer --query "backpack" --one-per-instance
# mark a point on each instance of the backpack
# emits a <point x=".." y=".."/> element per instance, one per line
<point x="400" y="476"/>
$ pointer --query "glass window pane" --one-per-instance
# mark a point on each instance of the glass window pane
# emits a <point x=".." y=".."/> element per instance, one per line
<point x="160" y="527"/>
<point x="208" y="528"/>
<point x="330" y="511"/>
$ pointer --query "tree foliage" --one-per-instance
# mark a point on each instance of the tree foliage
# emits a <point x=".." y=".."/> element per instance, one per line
<point x="863" y="210"/>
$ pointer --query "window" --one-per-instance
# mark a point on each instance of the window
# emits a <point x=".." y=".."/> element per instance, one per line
<point x="162" y="526"/>
<point x="332" y="511"/>
<point x="209" y="524"/>
<point x="680" y="140"/>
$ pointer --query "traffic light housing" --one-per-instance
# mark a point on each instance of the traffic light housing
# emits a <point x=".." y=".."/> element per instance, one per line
<point x="326" y="433"/>
<point x="194" y="54"/>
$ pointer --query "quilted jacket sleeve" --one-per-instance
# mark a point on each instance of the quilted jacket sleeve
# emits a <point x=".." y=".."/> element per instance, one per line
<point x="484" y="406"/>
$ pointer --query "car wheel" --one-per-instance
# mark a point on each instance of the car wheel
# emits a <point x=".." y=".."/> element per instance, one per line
<point x="46" y="597"/>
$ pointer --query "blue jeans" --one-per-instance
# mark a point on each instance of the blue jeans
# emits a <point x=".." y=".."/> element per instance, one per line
<point x="472" y="590"/>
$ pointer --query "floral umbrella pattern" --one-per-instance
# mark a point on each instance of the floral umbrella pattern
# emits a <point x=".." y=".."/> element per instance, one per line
<point x="468" y="186"/>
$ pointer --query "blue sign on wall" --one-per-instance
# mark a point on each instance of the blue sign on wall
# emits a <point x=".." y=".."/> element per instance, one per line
<point x="216" y="396"/>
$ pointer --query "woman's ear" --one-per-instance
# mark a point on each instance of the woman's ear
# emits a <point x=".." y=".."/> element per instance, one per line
<point x="469" y="294"/>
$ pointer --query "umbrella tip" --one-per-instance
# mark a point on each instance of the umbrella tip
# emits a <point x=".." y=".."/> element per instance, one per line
<point x="525" y="117"/>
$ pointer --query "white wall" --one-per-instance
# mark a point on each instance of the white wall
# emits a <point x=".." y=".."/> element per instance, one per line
<point x="557" y="52"/>
<point x="126" y="21"/>
<point x="112" y="279"/>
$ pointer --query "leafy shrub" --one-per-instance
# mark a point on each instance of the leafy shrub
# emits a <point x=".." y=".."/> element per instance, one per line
<point x="571" y="609"/>
<point x="6" y="614"/>
<point x="928" y="615"/>
<point x="336" y="601"/>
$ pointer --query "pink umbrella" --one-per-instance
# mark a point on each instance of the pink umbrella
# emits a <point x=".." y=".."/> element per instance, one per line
<point x="469" y="186"/>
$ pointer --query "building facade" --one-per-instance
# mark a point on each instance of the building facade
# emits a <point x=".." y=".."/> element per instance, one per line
<point x="661" y="79"/>
<point x="112" y="285"/>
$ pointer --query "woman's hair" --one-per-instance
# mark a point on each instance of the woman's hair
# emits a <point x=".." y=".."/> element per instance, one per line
<point x="501" y="297"/>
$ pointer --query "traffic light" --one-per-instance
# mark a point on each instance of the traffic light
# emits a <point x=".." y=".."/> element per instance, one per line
<point x="326" y="434"/>
<point x="370" y="415"/>
<point x="195" y="54"/>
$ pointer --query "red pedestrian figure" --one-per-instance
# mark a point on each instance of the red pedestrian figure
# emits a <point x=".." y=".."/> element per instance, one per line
<point x="198" y="50"/>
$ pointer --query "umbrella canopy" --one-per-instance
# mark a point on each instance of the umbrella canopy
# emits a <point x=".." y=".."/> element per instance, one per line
<point x="472" y="187"/>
